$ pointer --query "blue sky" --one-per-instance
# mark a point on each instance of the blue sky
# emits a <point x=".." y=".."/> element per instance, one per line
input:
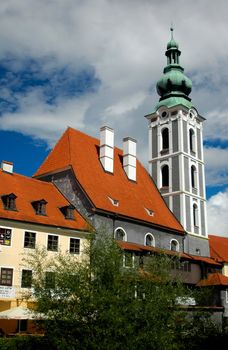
<point x="88" y="64"/>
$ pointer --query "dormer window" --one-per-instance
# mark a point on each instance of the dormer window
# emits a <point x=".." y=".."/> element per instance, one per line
<point x="9" y="201"/>
<point x="40" y="207"/>
<point x="68" y="212"/>
<point x="114" y="202"/>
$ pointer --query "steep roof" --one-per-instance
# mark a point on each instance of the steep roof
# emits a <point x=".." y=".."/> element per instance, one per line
<point x="219" y="248"/>
<point x="213" y="279"/>
<point x="81" y="152"/>
<point x="29" y="190"/>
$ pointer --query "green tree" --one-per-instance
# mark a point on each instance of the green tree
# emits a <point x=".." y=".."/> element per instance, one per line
<point x="99" y="304"/>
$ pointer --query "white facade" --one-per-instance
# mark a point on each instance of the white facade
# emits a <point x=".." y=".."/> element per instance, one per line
<point x="176" y="164"/>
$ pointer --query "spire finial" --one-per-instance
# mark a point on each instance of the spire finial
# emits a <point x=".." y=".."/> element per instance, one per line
<point x="171" y="29"/>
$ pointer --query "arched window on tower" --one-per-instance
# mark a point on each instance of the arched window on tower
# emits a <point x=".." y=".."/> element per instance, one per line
<point x="192" y="140"/>
<point x="165" y="139"/>
<point x="195" y="215"/>
<point x="165" y="176"/>
<point x="193" y="176"/>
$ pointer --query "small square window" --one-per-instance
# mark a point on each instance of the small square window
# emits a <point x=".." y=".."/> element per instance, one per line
<point x="30" y="240"/>
<point x="52" y="243"/>
<point x="26" y="279"/>
<point x="6" y="277"/>
<point x="74" y="246"/>
<point x="5" y="236"/>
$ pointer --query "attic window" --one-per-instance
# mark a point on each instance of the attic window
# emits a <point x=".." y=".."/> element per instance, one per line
<point x="9" y="201"/>
<point x="114" y="202"/>
<point x="68" y="212"/>
<point x="149" y="212"/>
<point x="40" y="207"/>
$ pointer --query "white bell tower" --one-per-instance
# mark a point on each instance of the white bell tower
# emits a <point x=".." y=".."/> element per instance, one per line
<point x="176" y="160"/>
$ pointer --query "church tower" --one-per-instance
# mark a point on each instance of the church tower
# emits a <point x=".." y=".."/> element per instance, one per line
<point x="176" y="152"/>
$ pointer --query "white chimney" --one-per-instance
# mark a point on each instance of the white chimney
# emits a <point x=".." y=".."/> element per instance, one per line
<point x="7" y="166"/>
<point x="106" y="148"/>
<point x="129" y="157"/>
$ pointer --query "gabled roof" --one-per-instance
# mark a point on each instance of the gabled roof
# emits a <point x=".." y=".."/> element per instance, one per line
<point x="219" y="248"/>
<point x="80" y="152"/>
<point x="28" y="190"/>
<point x="213" y="279"/>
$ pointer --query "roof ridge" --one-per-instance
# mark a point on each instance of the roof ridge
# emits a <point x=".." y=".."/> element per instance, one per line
<point x="28" y="178"/>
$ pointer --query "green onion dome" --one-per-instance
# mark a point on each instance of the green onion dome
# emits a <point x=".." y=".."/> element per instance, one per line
<point x="174" y="82"/>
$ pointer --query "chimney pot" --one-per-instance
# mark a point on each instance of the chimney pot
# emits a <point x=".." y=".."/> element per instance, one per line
<point x="107" y="148"/>
<point x="129" y="157"/>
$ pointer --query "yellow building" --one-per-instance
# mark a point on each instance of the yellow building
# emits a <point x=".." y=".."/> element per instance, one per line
<point x="33" y="214"/>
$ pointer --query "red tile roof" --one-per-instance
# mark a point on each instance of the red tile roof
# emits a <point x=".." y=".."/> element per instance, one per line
<point x="214" y="279"/>
<point x="81" y="152"/>
<point x="141" y="248"/>
<point x="29" y="190"/>
<point x="219" y="248"/>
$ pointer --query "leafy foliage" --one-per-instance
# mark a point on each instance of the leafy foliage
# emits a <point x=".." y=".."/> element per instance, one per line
<point x="99" y="304"/>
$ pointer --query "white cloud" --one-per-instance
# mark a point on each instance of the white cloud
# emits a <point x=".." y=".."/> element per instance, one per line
<point x="124" y="42"/>
<point x="40" y="121"/>
<point x="217" y="214"/>
<point x="216" y="166"/>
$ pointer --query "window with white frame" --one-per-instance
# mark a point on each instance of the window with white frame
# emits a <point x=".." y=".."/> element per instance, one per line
<point x="149" y="240"/>
<point x="165" y="175"/>
<point x="195" y="215"/>
<point x="74" y="245"/>
<point x="174" y="245"/>
<point x="192" y="140"/>
<point x="52" y="243"/>
<point x="5" y="236"/>
<point x="165" y="139"/>
<point x="30" y="239"/>
<point x="120" y="234"/>
<point x="6" y="278"/>
<point x="193" y="176"/>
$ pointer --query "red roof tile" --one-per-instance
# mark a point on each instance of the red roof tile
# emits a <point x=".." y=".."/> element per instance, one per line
<point x="219" y="248"/>
<point x="141" y="248"/>
<point x="81" y="152"/>
<point x="204" y="259"/>
<point x="214" y="279"/>
<point x="29" y="190"/>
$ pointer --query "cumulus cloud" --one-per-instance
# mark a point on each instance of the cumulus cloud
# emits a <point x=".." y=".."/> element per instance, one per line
<point x="216" y="166"/>
<point x="124" y="44"/>
<point x="217" y="214"/>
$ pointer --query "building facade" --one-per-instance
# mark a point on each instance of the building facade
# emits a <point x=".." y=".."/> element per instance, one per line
<point x="33" y="214"/>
